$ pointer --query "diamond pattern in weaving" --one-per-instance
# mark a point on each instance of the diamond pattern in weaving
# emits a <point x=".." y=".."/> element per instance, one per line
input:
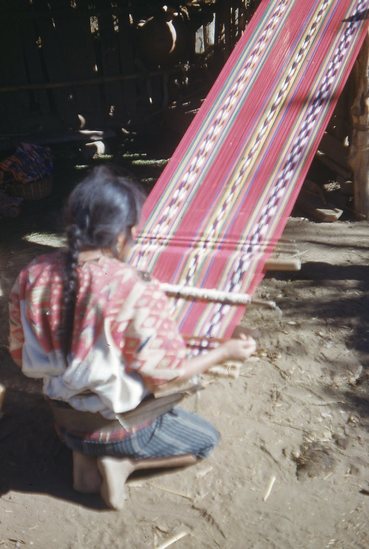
<point x="223" y="200"/>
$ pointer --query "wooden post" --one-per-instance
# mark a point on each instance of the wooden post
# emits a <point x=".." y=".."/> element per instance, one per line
<point x="359" y="145"/>
<point x="2" y="397"/>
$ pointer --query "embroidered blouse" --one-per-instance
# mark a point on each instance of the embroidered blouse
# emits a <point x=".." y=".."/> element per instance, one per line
<point x="124" y="340"/>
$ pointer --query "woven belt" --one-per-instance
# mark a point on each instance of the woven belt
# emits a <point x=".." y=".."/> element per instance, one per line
<point x="88" y="422"/>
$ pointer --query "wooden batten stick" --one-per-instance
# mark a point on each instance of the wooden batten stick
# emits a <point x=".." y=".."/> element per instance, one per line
<point x="213" y="295"/>
<point x="200" y="238"/>
<point x="205" y="294"/>
<point x="234" y="243"/>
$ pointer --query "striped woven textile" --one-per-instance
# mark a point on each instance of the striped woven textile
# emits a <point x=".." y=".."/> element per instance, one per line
<point x="224" y="198"/>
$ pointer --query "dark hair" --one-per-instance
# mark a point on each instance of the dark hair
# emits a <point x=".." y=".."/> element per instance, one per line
<point x="100" y="208"/>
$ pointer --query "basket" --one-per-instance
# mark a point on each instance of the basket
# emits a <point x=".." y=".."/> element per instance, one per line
<point x="33" y="190"/>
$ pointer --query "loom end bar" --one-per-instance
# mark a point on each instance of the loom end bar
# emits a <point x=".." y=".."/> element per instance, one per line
<point x="268" y="304"/>
<point x="283" y="264"/>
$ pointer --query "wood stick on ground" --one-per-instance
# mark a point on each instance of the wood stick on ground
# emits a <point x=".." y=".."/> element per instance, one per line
<point x="173" y="539"/>
<point x="171" y="491"/>
<point x="229" y="370"/>
<point x="270" y="487"/>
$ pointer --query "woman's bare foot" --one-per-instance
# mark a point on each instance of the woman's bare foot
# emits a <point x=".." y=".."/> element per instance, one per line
<point x="114" y="473"/>
<point x="86" y="476"/>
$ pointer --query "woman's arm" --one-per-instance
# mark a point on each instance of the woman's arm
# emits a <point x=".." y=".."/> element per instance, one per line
<point x="233" y="349"/>
<point x="154" y="348"/>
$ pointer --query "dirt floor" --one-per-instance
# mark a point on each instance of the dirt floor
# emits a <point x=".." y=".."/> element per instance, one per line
<point x="291" y="470"/>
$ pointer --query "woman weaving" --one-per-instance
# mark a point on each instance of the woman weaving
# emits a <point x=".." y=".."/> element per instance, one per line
<point x="101" y="338"/>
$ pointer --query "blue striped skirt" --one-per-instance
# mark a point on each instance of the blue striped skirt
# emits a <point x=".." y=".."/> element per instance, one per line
<point x="175" y="433"/>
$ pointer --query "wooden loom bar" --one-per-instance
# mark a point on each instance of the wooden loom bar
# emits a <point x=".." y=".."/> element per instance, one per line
<point x="87" y="82"/>
<point x="275" y="263"/>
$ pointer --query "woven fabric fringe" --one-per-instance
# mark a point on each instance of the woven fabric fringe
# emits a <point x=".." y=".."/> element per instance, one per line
<point x="233" y="180"/>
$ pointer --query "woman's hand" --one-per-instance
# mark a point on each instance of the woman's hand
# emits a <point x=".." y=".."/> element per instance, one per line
<point x="233" y="349"/>
<point x="239" y="349"/>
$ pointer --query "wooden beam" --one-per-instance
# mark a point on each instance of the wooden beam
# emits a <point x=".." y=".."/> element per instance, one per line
<point x="359" y="146"/>
<point x="284" y="258"/>
<point x="282" y="263"/>
<point x="86" y="82"/>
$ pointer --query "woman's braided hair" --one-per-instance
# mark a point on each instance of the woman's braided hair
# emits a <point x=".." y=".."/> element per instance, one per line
<point x="101" y="208"/>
